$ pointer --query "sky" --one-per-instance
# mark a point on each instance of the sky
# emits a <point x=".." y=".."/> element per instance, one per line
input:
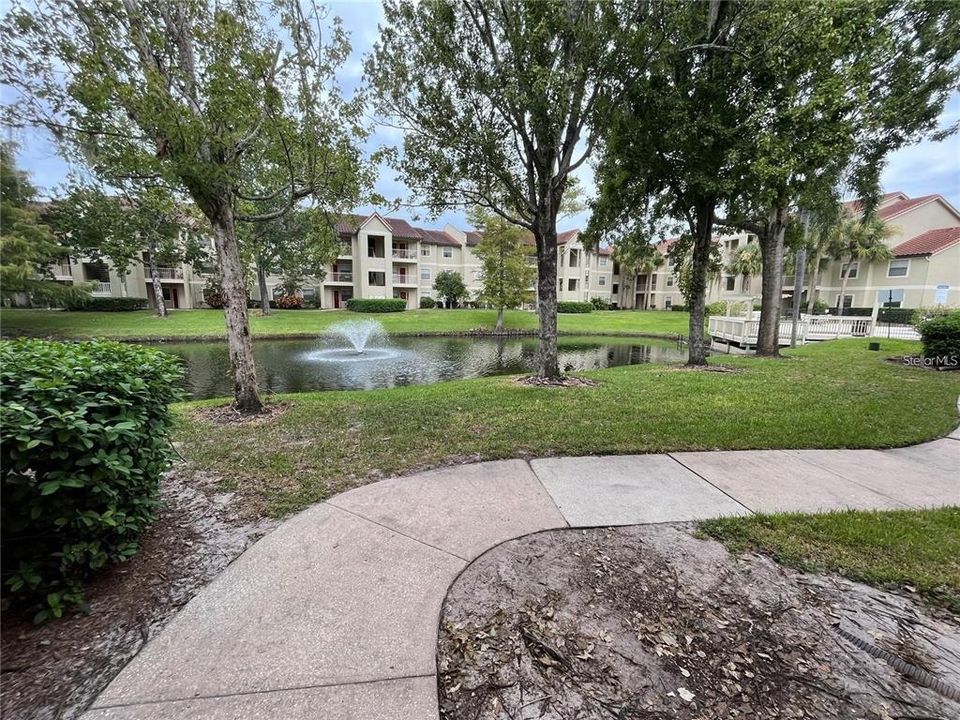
<point x="922" y="169"/>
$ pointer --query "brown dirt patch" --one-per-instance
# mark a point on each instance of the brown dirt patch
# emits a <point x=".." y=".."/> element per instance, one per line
<point x="229" y="415"/>
<point x="707" y="368"/>
<point x="650" y="622"/>
<point x="55" y="670"/>
<point x="567" y="381"/>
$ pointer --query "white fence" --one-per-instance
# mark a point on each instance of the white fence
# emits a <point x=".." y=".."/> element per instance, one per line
<point x="744" y="331"/>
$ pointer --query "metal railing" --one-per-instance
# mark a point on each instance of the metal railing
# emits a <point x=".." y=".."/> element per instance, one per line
<point x="170" y="273"/>
<point x="102" y="288"/>
<point x="404" y="254"/>
<point x="341" y="277"/>
<point x="61" y="270"/>
<point x="404" y="280"/>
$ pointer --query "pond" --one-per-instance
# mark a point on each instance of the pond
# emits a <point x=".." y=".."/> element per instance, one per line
<point x="287" y="366"/>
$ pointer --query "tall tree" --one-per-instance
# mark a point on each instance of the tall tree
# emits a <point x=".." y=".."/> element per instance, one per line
<point x="496" y="101"/>
<point x="853" y="82"/>
<point x="28" y="245"/>
<point x="211" y="97"/>
<point x="673" y="147"/>
<point x="503" y="256"/>
<point x="746" y="262"/>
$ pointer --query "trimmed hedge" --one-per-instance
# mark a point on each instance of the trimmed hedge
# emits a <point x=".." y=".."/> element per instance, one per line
<point x="940" y="336"/>
<point x="84" y="442"/>
<point x="598" y="303"/>
<point x="376" y="305"/>
<point x="574" y="307"/>
<point x="427" y="303"/>
<point x="106" y="304"/>
<point x="289" y="302"/>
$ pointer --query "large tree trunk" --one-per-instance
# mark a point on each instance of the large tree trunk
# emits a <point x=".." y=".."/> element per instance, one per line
<point x="264" y="293"/>
<point x="546" y="237"/>
<point x="157" y="285"/>
<point x="499" y="326"/>
<point x="812" y="290"/>
<point x="245" y="393"/>
<point x="702" y="241"/>
<point x="771" y="293"/>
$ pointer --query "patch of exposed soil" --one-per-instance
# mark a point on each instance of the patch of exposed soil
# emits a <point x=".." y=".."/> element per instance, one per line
<point x="229" y="415"/>
<point x="650" y="622"/>
<point x="55" y="670"/>
<point x="565" y="381"/>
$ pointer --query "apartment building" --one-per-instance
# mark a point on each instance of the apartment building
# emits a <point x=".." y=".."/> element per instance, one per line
<point x="924" y="271"/>
<point x="380" y="257"/>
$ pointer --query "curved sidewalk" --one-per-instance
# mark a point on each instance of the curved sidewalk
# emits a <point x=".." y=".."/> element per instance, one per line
<point x="334" y="614"/>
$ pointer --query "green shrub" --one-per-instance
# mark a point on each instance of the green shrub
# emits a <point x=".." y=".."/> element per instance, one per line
<point x="598" y="303"/>
<point x="376" y="305"/>
<point x="427" y="303"/>
<point x="716" y="308"/>
<point x="940" y="336"/>
<point x="289" y="302"/>
<point x="678" y="308"/>
<point x="574" y="307"/>
<point x="105" y="304"/>
<point x="213" y="294"/>
<point x="820" y="307"/>
<point x="84" y="442"/>
<point x="896" y="316"/>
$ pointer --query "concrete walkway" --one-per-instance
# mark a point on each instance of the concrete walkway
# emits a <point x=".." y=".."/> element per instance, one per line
<point x="334" y="615"/>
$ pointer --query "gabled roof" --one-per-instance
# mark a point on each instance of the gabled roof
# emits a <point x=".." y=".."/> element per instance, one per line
<point x="901" y="206"/>
<point x="928" y="243"/>
<point x="566" y="236"/>
<point x="473" y="238"/>
<point x="854" y="206"/>
<point x="350" y="224"/>
<point x="436" y="237"/>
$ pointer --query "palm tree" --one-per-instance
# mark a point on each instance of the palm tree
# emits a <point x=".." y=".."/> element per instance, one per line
<point x="858" y="240"/>
<point x="746" y="262"/>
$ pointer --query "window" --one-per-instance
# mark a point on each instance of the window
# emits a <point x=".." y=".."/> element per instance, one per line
<point x="891" y="298"/>
<point x="477" y="275"/>
<point x="653" y="282"/>
<point x="669" y="280"/>
<point x="603" y="261"/>
<point x="734" y="244"/>
<point x="852" y="270"/>
<point x="602" y="281"/>
<point x="574" y="258"/>
<point x="847" y="301"/>
<point x="572" y="284"/>
<point x="424" y="273"/>
<point x="668" y="303"/>
<point x="448" y="252"/>
<point x="425" y="250"/>
<point x="377" y="279"/>
<point x="898" y="268"/>
<point x="615" y="289"/>
<point x="731" y="283"/>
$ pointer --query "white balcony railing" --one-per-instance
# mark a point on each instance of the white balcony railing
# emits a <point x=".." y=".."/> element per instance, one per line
<point x="404" y="254"/>
<point x="404" y="280"/>
<point x="341" y="277"/>
<point x="170" y="273"/>
<point x="101" y="288"/>
<point x="61" y="270"/>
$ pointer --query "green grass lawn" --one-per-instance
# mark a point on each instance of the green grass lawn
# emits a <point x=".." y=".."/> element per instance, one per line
<point x="892" y="549"/>
<point x="833" y="394"/>
<point x="210" y="323"/>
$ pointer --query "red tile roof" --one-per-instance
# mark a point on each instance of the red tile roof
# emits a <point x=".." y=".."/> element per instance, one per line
<point x="399" y="227"/>
<point x="928" y="243"/>
<point x="900" y="207"/>
<point x="566" y="236"/>
<point x="854" y="205"/>
<point x="474" y="237"/>
<point x="436" y="237"/>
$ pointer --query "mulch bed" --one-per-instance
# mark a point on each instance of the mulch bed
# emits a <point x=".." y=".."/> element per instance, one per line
<point x="55" y="670"/>
<point x="650" y="622"/>
<point x="567" y="381"/>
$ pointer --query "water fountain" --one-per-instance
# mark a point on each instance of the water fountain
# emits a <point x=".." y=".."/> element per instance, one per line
<point x="363" y="338"/>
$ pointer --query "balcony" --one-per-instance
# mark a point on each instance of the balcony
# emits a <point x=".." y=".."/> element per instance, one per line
<point x="401" y="254"/>
<point x="170" y="273"/>
<point x="61" y="270"/>
<point x="404" y="279"/>
<point x="341" y="277"/>
<point x="101" y="288"/>
<point x="346" y="249"/>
